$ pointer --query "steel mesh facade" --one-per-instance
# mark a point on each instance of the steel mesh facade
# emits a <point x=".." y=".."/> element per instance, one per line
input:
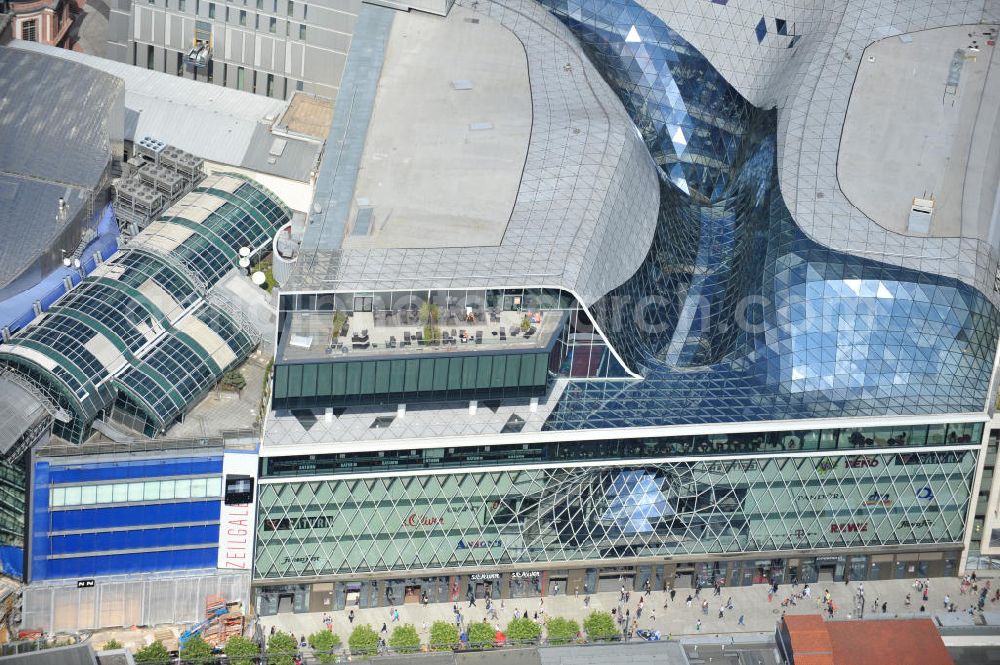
<point x="582" y="513"/>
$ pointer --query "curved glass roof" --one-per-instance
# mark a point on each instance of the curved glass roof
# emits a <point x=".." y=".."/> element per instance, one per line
<point x="746" y="317"/>
<point x="141" y="318"/>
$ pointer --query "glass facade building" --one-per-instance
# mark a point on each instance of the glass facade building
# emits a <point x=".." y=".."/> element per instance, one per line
<point x="734" y="319"/>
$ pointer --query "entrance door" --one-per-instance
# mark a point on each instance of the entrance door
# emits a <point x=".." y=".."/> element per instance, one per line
<point x="484" y="589"/>
<point x="411" y="595"/>
<point x="827" y="570"/>
<point x="286" y="603"/>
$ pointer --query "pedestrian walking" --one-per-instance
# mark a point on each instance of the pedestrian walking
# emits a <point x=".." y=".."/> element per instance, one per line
<point x="947" y="601"/>
<point x="885" y="607"/>
<point x="350" y="617"/>
<point x="720" y="612"/>
<point x="925" y="594"/>
<point x="907" y="600"/>
<point x="697" y="626"/>
<point x="648" y="586"/>
<point x="555" y="589"/>
<point x="586" y="601"/>
<point x="652" y="615"/>
<point x="689" y="599"/>
<point x="740" y="622"/>
<point x="673" y="593"/>
<point x="385" y="628"/>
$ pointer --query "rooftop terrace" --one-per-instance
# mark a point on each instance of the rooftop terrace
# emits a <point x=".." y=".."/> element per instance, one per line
<point x="358" y="335"/>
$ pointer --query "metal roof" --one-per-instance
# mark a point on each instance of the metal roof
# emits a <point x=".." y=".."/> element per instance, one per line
<point x="19" y="411"/>
<point x="216" y="123"/>
<point x="54" y="118"/>
<point x="587" y="203"/>
<point x="58" y="122"/>
<point x="77" y="654"/>
<point x="26" y="198"/>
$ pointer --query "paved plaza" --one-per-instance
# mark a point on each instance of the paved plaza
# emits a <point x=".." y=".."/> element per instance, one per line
<point x="677" y="619"/>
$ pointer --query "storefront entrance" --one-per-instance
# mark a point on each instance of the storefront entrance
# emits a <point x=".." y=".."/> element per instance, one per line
<point x="412" y="595"/>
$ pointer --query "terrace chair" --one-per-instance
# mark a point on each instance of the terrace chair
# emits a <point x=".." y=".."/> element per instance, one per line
<point x="503" y="335"/>
<point x="392" y="342"/>
<point x="406" y="338"/>
<point x="479" y="337"/>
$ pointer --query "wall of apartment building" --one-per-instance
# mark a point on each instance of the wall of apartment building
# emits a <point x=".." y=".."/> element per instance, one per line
<point x="270" y="47"/>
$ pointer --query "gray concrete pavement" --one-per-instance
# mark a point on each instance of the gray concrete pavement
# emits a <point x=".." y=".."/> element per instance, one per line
<point x="676" y="619"/>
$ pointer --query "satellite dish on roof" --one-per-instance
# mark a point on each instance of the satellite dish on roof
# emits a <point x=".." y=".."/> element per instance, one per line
<point x="244" y="262"/>
<point x="258" y="278"/>
<point x="244" y="251"/>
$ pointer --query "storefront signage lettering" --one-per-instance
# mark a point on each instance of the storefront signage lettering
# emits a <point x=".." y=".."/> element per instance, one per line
<point x="861" y="462"/>
<point x="849" y="527"/>
<point x="925" y="493"/>
<point x="415" y="521"/>
<point x="478" y="544"/>
<point x="532" y="573"/>
<point x="301" y="559"/>
<point x="84" y="584"/>
<point x="878" y="499"/>
<point x="826" y="465"/>
<point x="819" y="497"/>
<point x="236" y="520"/>
<point x="485" y="576"/>
<point x="907" y="524"/>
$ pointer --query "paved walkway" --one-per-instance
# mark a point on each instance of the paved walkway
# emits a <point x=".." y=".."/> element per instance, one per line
<point x="677" y="619"/>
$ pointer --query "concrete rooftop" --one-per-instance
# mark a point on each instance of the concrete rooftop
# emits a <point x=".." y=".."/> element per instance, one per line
<point x="924" y="121"/>
<point x="448" y="136"/>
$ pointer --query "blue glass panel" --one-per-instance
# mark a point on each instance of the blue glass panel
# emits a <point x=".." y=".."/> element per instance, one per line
<point x="104" y="471"/>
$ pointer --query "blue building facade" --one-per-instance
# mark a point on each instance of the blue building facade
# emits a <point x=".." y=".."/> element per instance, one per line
<point x="112" y="517"/>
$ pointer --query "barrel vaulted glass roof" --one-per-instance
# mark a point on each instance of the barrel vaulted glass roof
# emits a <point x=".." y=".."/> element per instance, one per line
<point x="141" y="322"/>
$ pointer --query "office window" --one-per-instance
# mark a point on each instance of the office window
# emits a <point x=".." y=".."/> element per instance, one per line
<point x="135" y="491"/>
<point x="241" y="76"/>
<point x="272" y="24"/>
<point x="227" y="14"/>
<point x="180" y="64"/>
<point x="305" y="12"/>
<point x="299" y="86"/>
<point x="149" y="56"/>
<point x="29" y="31"/>
<point x="270" y="85"/>
<point x="288" y="28"/>
<point x="291" y="8"/>
<point x="243" y="17"/>
<point x="105" y="493"/>
<point x="211" y="10"/>
<point x="197" y="7"/>
<point x="73" y="496"/>
<point x="260" y="4"/>
<point x="182" y="5"/>
<point x="302" y="31"/>
<point x="274" y="6"/>
<point x="256" y="21"/>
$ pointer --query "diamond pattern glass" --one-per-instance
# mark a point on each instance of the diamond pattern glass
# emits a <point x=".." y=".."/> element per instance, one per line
<point x="740" y="316"/>
<point x="543" y="515"/>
